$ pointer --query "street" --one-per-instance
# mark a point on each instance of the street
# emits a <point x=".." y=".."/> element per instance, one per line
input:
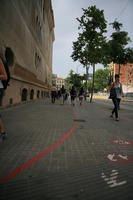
<point x="61" y="152"/>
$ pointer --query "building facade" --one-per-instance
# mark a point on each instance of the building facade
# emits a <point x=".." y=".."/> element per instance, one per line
<point x="126" y="75"/>
<point x="60" y="82"/>
<point x="27" y="27"/>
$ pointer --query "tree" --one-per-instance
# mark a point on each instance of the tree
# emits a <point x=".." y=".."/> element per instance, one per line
<point x="88" y="47"/>
<point x="74" y="79"/>
<point x="117" y="46"/>
<point x="102" y="77"/>
<point x="89" y="85"/>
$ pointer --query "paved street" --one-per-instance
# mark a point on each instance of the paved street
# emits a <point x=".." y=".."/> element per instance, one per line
<point x="60" y="152"/>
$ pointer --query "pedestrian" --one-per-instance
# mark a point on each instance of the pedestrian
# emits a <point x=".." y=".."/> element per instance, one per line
<point x="63" y="93"/>
<point x="3" y="77"/>
<point x="73" y="95"/>
<point x="81" y="95"/>
<point x="116" y="93"/>
<point x="59" y="94"/>
<point x="66" y="95"/>
<point x="53" y="93"/>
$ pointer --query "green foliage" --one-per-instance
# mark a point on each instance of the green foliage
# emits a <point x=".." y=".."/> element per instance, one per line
<point x="116" y="25"/>
<point x="74" y="79"/>
<point x="116" y="50"/>
<point x="88" y="47"/>
<point x="89" y="85"/>
<point x="102" y="77"/>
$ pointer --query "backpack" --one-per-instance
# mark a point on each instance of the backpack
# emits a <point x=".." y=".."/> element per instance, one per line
<point x="6" y="82"/>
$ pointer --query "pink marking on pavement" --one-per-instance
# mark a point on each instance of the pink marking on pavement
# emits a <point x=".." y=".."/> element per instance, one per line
<point x="122" y="142"/>
<point x="36" y="158"/>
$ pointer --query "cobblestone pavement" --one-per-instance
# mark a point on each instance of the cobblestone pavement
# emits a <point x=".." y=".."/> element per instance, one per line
<point x="60" y="152"/>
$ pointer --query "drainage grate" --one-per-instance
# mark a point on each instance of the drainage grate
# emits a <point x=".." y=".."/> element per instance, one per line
<point x="79" y="120"/>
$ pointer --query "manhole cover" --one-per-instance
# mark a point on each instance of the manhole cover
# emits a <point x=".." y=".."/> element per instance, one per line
<point x="79" y="120"/>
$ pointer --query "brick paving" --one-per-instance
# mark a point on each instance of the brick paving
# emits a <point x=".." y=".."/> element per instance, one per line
<point x="78" y="168"/>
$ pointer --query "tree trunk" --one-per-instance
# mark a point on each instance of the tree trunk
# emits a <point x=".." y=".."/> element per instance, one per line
<point x="119" y="69"/>
<point x="93" y="81"/>
<point x="87" y="78"/>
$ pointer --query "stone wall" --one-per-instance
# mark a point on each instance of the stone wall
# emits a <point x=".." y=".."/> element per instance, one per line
<point x="27" y="27"/>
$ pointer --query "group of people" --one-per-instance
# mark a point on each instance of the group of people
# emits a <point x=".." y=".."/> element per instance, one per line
<point x="64" y="94"/>
<point x="4" y="80"/>
<point x="73" y="95"/>
<point x="58" y="93"/>
<point x="116" y="93"/>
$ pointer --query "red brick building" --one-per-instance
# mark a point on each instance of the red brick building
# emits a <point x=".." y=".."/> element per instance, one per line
<point x="126" y="75"/>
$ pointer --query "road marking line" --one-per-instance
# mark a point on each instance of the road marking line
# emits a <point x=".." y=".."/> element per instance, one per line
<point x="36" y="158"/>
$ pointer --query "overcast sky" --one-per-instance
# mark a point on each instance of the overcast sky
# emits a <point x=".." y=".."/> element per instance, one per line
<point x="66" y="27"/>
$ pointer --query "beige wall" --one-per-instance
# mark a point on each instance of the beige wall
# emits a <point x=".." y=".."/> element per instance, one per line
<point x="18" y="19"/>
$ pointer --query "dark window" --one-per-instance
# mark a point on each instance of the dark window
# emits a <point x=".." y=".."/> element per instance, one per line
<point x="24" y="95"/>
<point x="11" y="101"/>
<point x="42" y="94"/>
<point x="37" y="61"/>
<point x="32" y="94"/>
<point x="38" y="94"/>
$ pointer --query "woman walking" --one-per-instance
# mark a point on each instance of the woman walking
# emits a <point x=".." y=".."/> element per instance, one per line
<point x="73" y="95"/>
<point x="116" y="93"/>
<point x="81" y="95"/>
<point x="53" y="93"/>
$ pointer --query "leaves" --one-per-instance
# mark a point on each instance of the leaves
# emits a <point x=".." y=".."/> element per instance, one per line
<point x="88" y="47"/>
<point x="74" y="79"/>
<point x="102" y="77"/>
<point x="117" y="50"/>
<point x="116" y="25"/>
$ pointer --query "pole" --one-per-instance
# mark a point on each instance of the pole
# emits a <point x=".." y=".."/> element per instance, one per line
<point x="93" y="83"/>
<point x="87" y="68"/>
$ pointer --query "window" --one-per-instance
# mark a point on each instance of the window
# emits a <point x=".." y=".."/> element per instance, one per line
<point x="36" y="64"/>
<point x="38" y="94"/>
<point x="37" y="61"/>
<point x="38" y="29"/>
<point x="43" y="10"/>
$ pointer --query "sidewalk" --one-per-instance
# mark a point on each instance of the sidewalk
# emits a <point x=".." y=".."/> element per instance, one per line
<point x="60" y="152"/>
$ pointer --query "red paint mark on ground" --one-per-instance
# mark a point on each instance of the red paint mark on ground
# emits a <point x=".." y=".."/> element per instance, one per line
<point x="36" y="158"/>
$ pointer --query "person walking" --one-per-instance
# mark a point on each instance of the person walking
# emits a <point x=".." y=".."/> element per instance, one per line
<point x="53" y="93"/>
<point x="63" y="93"/>
<point x="116" y="93"/>
<point x="3" y="77"/>
<point x="73" y="95"/>
<point x="81" y="95"/>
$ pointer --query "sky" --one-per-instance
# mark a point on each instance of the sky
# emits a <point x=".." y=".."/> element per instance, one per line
<point x="66" y="28"/>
